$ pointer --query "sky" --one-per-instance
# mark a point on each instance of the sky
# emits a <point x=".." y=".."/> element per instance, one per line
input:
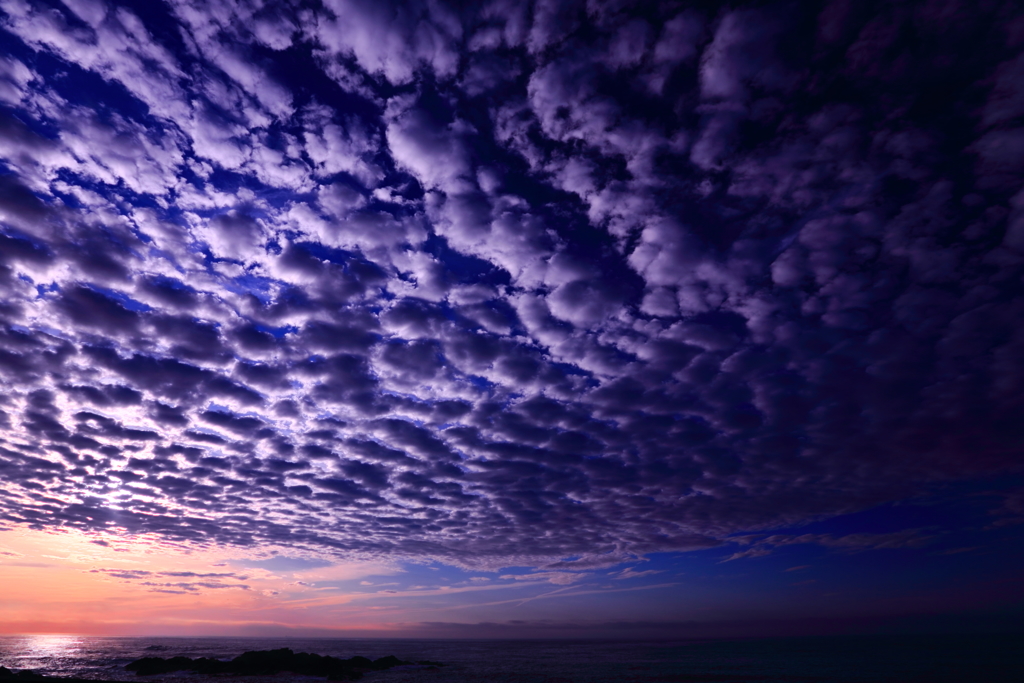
<point x="506" y="319"/>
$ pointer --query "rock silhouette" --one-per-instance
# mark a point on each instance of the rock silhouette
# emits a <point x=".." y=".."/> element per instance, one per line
<point x="28" y="675"/>
<point x="266" y="662"/>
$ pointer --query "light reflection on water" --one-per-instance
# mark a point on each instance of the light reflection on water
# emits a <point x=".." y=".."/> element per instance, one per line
<point x="53" y="646"/>
<point x="49" y="652"/>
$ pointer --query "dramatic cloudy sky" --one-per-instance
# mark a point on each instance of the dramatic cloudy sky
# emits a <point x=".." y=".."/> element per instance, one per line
<point x="574" y="312"/>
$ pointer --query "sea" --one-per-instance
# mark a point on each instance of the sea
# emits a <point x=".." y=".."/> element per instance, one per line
<point x="825" y="659"/>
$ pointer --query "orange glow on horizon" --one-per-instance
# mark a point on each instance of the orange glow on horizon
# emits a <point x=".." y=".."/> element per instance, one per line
<point x="64" y="583"/>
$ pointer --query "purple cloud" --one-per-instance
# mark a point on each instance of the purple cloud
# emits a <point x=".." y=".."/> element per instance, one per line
<point x="555" y="288"/>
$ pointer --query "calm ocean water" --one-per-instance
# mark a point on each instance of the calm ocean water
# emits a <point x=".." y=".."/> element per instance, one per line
<point x="845" y="659"/>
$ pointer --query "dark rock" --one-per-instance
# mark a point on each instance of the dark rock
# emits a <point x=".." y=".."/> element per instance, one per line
<point x="259" y="662"/>
<point x="27" y="675"/>
<point x="150" y="666"/>
<point x="387" y="663"/>
<point x="208" y="665"/>
<point x="267" y="662"/>
<point x="360" y="662"/>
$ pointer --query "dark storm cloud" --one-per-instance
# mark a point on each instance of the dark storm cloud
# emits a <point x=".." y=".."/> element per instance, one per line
<point x="550" y="283"/>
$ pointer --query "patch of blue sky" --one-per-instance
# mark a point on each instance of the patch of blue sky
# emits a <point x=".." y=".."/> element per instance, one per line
<point x="232" y="182"/>
<point x="142" y="200"/>
<point x="467" y="269"/>
<point x="173" y="283"/>
<point x="480" y="382"/>
<point x="161" y="24"/>
<point x="106" y="99"/>
<point x="576" y="371"/>
<point x="259" y="287"/>
<point x="291" y="66"/>
<point x="45" y="290"/>
<point x="120" y="297"/>
<point x="277" y="332"/>
<point x="26" y="242"/>
<point x="340" y="257"/>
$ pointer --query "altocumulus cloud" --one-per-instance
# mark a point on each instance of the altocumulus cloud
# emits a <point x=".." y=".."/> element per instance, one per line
<point x="553" y="284"/>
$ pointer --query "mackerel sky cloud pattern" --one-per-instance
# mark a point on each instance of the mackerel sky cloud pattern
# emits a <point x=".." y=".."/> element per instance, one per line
<point x="547" y="284"/>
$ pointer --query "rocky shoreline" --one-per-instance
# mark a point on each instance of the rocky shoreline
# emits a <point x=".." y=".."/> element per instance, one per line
<point x="26" y="675"/>
<point x="252" y="663"/>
